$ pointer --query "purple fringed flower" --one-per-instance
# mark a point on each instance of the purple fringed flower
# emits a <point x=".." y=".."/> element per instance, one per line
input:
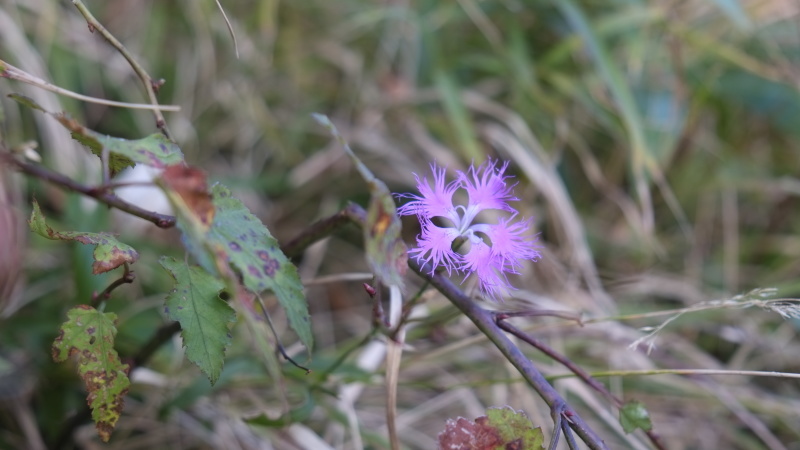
<point x="490" y="251"/>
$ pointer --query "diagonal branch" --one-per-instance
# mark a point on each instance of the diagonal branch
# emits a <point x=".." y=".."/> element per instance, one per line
<point x="43" y="173"/>
<point x="566" y="362"/>
<point x="150" y="85"/>
<point x="485" y="322"/>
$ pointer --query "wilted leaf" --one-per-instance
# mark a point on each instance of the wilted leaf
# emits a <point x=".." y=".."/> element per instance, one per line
<point x="89" y="334"/>
<point x="109" y="253"/>
<point x="192" y="190"/>
<point x="204" y="317"/>
<point x="633" y="415"/>
<point x="386" y="253"/>
<point x="155" y="150"/>
<point x="501" y="428"/>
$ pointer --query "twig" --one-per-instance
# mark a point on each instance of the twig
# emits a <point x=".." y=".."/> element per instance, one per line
<point x="485" y="322"/>
<point x="540" y="313"/>
<point x="127" y="277"/>
<point x="563" y="360"/>
<point x="15" y="73"/>
<point x="150" y="85"/>
<point x="578" y="371"/>
<point x="41" y="172"/>
<point x="638" y="373"/>
<point x="278" y="343"/>
<point x="352" y="213"/>
<point x="230" y="29"/>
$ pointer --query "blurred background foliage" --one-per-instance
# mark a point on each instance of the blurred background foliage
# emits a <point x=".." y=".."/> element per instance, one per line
<point x="655" y="143"/>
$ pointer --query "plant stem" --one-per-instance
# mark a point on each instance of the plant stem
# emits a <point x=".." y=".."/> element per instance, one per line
<point x="485" y="322"/>
<point x="574" y="368"/>
<point x="15" y="73"/>
<point x="352" y="213"/>
<point x="41" y="172"/>
<point x="149" y="84"/>
<point x="127" y="277"/>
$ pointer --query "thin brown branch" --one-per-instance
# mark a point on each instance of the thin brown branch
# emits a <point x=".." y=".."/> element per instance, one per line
<point x="17" y="74"/>
<point x="574" y="368"/>
<point x="150" y="85"/>
<point x="43" y="173"/>
<point x="540" y="313"/>
<point x="278" y="343"/>
<point x="485" y="321"/>
<point x="127" y="277"/>
<point x="352" y="213"/>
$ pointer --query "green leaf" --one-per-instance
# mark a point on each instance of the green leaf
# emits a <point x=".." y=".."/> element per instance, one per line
<point x="235" y="237"/>
<point x="251" y="248"/>
<point x="204" y="317"/>
<point x="155" y="150"/>
<point x="89" y="334"/>
<point x="515" y="426"/>
<point x="109" y="253"/>
<point x="633" y="415"/>
<point x="500" y="428"/>
<point x="26" y="101"/>
<point x="386" y="253"/>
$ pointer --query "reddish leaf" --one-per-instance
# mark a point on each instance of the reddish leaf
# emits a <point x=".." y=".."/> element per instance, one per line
<point x="501" y="428"/>
<point x="190" y="185"/>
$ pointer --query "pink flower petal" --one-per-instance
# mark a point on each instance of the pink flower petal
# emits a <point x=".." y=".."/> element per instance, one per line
<point x="435" y="247"/>
<point x="489" y="269"/>
<point x="487" y="187"/>
<point x="433" y="201"/>
<point x="509" y="242"/>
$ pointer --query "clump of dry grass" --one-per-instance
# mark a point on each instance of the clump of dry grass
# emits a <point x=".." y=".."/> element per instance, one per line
<point x="654" y="145"/>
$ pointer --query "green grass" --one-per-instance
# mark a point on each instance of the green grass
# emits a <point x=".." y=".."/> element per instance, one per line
<point x="656" y="146"/>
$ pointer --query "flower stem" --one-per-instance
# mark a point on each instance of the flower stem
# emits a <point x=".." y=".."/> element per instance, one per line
<point x="485" y="322"/>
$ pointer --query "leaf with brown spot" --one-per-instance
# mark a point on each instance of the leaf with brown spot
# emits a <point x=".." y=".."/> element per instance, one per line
<point x="109" y="253"/>
<point x="155" y="150"/>
<point x="241" y="240"/>
<point x="187" y="189"/>
<point x="89" y="335"/>
<point x="500" y="428"/>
